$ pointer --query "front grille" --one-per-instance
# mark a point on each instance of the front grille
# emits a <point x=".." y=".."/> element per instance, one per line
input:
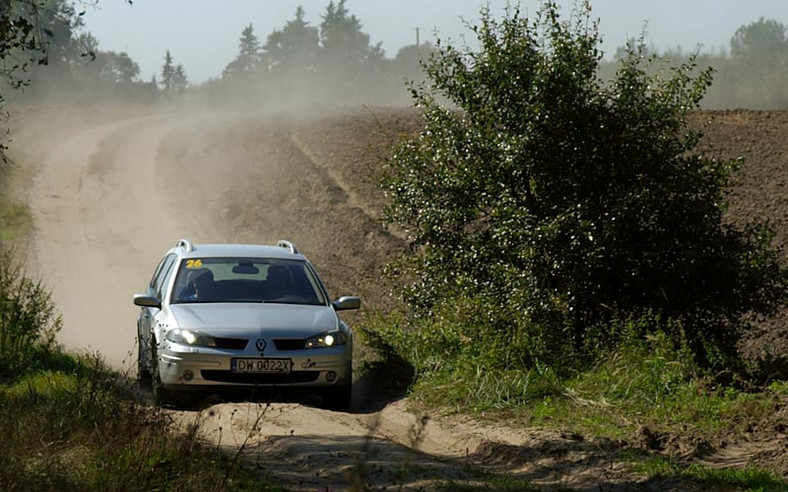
<point x="289" y="343"/>
<point x="247" y="378"/>
<point x="231" y="343"/>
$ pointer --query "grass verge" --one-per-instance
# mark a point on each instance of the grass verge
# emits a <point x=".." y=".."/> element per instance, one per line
<point x="748" y="478"/>
<point x="70" y="425"/>
<point x="649" y="393"/>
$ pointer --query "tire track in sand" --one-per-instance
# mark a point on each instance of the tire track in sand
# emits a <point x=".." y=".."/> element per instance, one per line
<point x="101" y="223"/>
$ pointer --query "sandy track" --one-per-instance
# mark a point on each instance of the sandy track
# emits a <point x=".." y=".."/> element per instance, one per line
<point x="101" y="223"/>
<point x="107" y="201"/>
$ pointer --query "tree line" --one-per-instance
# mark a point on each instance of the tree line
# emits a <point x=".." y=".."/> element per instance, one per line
<point x="750" y="74"/>
<point x="46" y="50"/>
<point x="44" y="47"/>
<point x="332" y="61"/>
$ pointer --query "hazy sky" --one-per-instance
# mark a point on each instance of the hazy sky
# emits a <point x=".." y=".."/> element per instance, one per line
<point x="203" y="34"/>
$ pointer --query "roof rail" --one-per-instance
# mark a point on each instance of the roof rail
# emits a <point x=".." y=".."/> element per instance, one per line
<point x="186" y="244"/>
<point x="287" y="245"/>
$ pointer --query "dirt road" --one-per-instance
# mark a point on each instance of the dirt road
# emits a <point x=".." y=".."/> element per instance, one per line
<point x="110" y="193"/>
<point x="101" y="222"/>
<point x="108" y="198"/>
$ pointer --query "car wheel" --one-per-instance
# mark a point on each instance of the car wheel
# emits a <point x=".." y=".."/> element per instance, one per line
<point x="162" y="396"/>
<point x="338" y="399"/>
<point x="143" y="371"/>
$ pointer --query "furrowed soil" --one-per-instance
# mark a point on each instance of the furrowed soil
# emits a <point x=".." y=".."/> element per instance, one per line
<point x="110" y="191"/>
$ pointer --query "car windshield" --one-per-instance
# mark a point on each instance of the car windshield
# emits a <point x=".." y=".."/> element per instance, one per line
<point x="246" y="280"/>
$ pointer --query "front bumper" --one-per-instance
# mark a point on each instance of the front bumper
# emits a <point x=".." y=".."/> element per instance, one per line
<point x="193" y="368"/>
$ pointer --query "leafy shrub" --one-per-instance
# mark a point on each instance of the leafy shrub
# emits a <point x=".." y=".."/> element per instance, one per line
<point x="28" y="320"/>
<point x="565" y="203"/>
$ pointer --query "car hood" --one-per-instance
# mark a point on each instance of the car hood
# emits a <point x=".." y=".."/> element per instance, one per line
<point x="228" y="319"/>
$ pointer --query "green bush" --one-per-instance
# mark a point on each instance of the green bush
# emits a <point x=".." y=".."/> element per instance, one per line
<point x="565" y="202"/>
<point x="28" y="319"/>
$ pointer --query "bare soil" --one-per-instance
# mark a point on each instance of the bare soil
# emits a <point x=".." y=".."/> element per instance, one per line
<point x="759" y="139"/>
<point x="111" y="191"/>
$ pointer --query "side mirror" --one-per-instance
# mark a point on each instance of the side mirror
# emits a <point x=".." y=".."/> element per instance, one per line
<point x="147" y="300"/>
<point x="346" y="302"/>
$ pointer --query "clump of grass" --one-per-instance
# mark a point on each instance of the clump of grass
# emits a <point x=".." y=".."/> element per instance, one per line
<point x="656" y="382"/>
<point x="749" y="478"/>
<point x="28" y="320"/>
<point x="448" y="365"/>
<point x="15" y="222"/>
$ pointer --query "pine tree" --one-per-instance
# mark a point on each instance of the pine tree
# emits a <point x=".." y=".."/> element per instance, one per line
<point x="179" y="80"/>
<point x="344" y="46"/>
<point x="294" y="48"/>
<point x="248" y="60"/>
<point x="167" y="74"/>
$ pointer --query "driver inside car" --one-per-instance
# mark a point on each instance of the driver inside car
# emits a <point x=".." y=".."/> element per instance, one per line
<point x="202" y="283"/>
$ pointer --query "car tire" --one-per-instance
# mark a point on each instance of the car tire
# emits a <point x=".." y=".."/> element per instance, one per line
<point x="161" y="395"/>
<point x="143" y="371"/>
<point x="338" y="399"/>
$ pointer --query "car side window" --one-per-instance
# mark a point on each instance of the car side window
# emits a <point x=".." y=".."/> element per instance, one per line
<point x="163" y="273"/>
<point x="166" y="278"/>
<point x="157" y="272"/>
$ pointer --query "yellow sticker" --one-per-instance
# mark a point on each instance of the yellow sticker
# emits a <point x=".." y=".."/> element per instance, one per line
<point x="194" y="263"/>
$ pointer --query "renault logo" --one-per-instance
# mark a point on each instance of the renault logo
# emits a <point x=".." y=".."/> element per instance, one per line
<point x="260" y="344"/>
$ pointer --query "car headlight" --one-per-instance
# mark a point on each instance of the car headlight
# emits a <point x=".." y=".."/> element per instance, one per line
<point x="331" y="339"/>
<point x="190" y="337"/>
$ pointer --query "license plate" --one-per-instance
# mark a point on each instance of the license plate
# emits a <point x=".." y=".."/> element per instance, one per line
<point x="261" y="365"/>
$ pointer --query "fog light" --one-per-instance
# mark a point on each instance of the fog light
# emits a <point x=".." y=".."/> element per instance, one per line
<point x="331" y="376"/>
<point x="187" y="375"/>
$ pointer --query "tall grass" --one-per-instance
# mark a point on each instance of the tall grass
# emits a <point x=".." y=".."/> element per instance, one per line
<point x="28" y="321"/>
<point x="648" y="380"/>
<point x="15" y="221"/>
<point x="76" y="429"/>
<point x="69" y="423"/>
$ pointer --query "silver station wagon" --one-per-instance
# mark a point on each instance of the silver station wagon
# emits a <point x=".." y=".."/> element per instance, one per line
<point x="233" y="316"/>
